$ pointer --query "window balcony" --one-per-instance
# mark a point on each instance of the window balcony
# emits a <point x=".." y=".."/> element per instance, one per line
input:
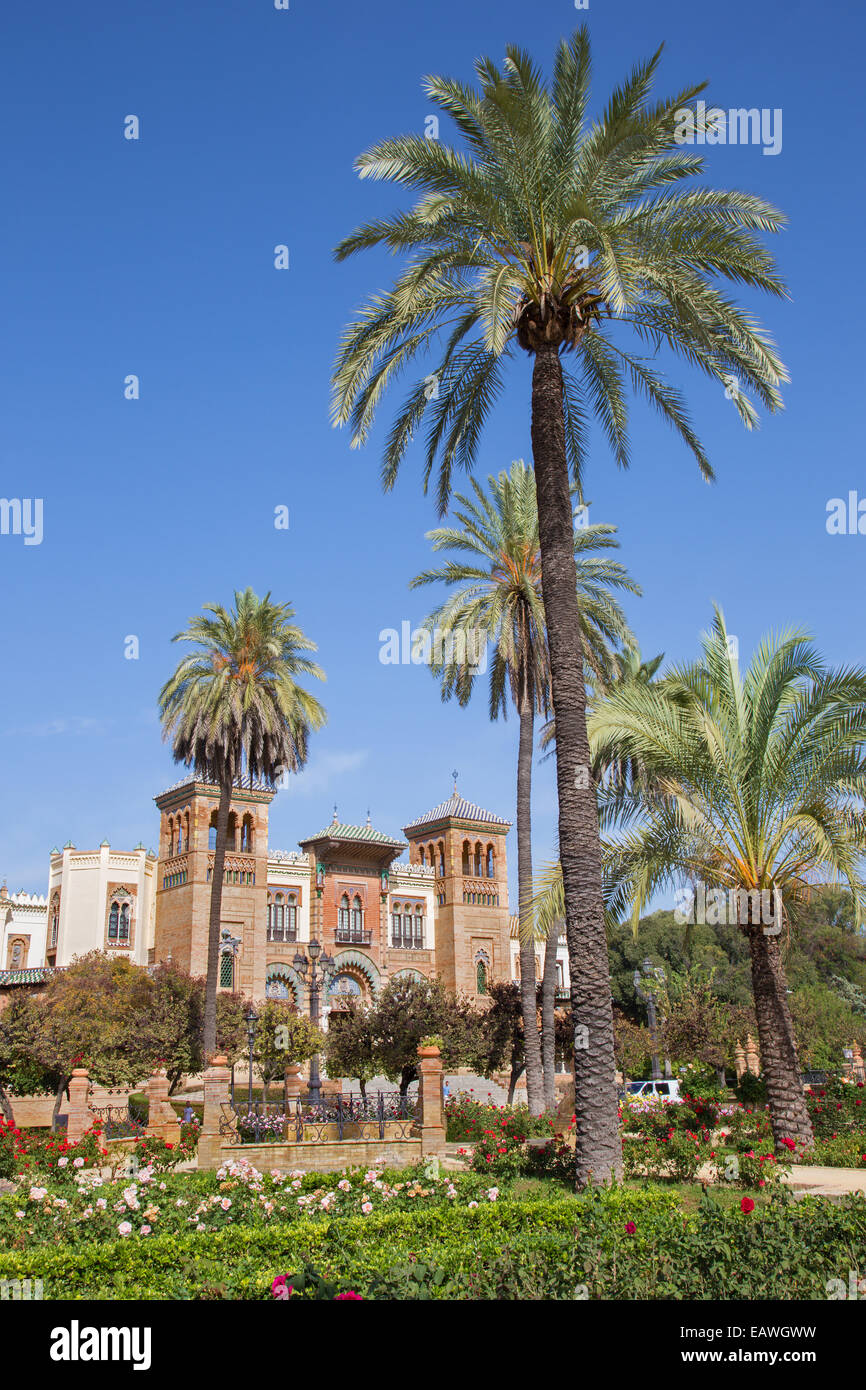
<point x="353" y="936"/>
<point x="281" y="934"/>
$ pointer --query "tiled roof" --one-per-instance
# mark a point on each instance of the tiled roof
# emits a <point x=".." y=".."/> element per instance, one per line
<point x="245" y="784"/>
<point x="457" y="808"/>
<point x="364" y="834"/>
<point x="35" y="976"/>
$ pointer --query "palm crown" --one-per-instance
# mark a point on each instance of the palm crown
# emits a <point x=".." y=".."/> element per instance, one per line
<point x="498" y="599"/>
<point x="545" y="229"/>
<point x="233" y="706"/>
<point x="758" y="780"/>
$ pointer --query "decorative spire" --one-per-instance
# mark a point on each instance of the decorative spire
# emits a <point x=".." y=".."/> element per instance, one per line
<point x="334" y="821"/>
<point x="454" y="775"/>
<point x="369" y="822"/>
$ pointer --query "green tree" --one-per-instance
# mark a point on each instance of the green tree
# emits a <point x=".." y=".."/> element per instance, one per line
<point x="19" y="1070"/>
<point x="283" y="1036"/>
<point x="408" y="1010"/>
<point x="571" y="241"/>
<point x="495" y="572"/>
<point x="173" y="1025"/>
<point x="350" y="1042"/>
<point x="234" y="709"/>
<point x="759" y="780"/>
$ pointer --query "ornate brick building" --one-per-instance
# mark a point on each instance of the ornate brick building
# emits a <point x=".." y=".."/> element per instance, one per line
<point x="444" y="912"/>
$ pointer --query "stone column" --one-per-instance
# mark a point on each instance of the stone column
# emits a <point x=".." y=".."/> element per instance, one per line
<point x="162" y="1121"/>
<point x="81" y="1116"/>
<point x="753" y="1062"/>
<point x="739" y="1060"/>
<point x="430" y="1093"/>
<point x="216" y="1095"/>
<point x="857" y="1062"/>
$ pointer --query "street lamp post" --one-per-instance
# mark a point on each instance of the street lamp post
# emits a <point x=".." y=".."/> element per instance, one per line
<point x="646" y="983"/>
<point x="316" y="962"/>
<point x="252" y="1019"/>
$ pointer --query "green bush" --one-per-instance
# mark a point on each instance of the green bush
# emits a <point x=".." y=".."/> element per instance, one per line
<point x="619" y="1244"/>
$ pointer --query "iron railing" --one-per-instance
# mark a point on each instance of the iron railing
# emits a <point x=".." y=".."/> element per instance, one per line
<point x="332" y="1120"/>
<point x="117" y="1121"/>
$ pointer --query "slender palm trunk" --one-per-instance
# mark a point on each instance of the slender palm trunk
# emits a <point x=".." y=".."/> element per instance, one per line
<point x="528" y="995"/>
<point x="548" y="1020"/>
<point x="598" y="1149"/>
<point x="6" y="1106"/>
<point x="213" y="937"/>
<point x="789" y="1114"/>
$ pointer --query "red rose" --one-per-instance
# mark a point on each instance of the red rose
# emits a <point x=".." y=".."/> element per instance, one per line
<point x="747" y="1205"/>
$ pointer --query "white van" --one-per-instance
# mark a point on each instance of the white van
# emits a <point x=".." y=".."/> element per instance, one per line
<point x="668" y="1089"/>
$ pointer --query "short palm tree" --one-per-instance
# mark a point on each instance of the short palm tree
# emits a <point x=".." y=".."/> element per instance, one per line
<point x="496" y="575"/>
<point x="758" y="786"/>
<point x="233" y="708"/>
<point x="576" y="243"/>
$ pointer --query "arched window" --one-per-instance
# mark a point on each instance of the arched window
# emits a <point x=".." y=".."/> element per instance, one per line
<point x="292" y="918"/>
<point x="441" y="860"/>
<point x="418" y="937"/>
<point x="421" y="860"/>
<point x="491" y="871"/>
<point x="278" y="918"/>
<point x="357" y="915"/>
<point x="247" y="834"/>
<point x="17" y="955"/>
<point x="396" y="926"/>
<point x="124" y="922"/>
<point x="481" y="977"/>
<point x="343" y="919"/>
<point x="211" y="832"/>
<point x="55" y="922"/>
<point x="478" y="870"/>
<point x="467" y="865"/>
<point x="232" y="838"/>
<point x="113" y="921"/>
<point x="178" y="849"/>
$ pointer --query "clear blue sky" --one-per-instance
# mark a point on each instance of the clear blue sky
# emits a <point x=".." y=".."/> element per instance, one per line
<point x="156" y="258"/>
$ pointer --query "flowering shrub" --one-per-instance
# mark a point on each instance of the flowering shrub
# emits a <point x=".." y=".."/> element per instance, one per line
<point x="846" y="1150"/>
<point x="12" y="1150"/>
<point x="837" y="1108"/>
<point x="468" y="1119"/>
<point x="677" y="1155"/>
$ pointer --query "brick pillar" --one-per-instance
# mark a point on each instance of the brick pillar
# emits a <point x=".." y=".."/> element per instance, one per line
<point x="752" y="1060"/>
<point x="857" y="1062"/>
<point x="162" y="1121"/>
<point x="739" y="1060"/>
<point x="430" y="1092"/>
<point x="216" y="1095"/>
<point x="293" y="1086"/>
<point x="80" y="1114"/>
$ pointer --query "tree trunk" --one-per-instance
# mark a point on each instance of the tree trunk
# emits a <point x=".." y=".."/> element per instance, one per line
<point x="514" y="1077"/>
<point x="58" y="1101"/>
<point x="789" y="1114"/>
<point x="6" y="1106"/>
<point x="598" y="1154"/>
<point x="528" y="993"/>
<point x="548" y="1021"/>
<point x="213" y="939"/>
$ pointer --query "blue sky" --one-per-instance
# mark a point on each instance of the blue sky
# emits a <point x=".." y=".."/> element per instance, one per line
<point x="155" y="257"/>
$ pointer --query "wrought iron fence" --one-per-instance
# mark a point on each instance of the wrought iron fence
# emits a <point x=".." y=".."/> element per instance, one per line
<point x="117" y="1122"/>
<point x="333" y="1119"/>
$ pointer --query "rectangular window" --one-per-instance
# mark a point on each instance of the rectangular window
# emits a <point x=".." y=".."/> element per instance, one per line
<point x="227" y="970"/>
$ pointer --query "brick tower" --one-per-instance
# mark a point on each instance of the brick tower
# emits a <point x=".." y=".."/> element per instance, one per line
<point x="466" y="844"/>
<point x="187" y="832"/>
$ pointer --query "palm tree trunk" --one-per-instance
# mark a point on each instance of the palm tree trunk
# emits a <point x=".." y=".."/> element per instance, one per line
<point x="6" y="1106"/>
<point x="213" y="937"/>
<point x="598" y="1154"/>
<point x="548" y="1021"/>
<point x="788" y="1111"/>
<point x="528" y="994"/>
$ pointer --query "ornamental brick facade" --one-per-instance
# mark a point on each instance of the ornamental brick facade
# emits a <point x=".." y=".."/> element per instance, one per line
<point x="444" y="912"/>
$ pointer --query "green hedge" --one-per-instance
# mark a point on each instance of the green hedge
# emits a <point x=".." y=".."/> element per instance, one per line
<point x="535" y="1249"/>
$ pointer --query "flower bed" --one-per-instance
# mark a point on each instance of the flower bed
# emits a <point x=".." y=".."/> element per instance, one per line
<point x="232" y="1234"/>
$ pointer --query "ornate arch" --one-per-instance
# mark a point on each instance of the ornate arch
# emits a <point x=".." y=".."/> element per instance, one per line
<point x="408" y="972"/>
<point x="280" y="971"/>
<point x="355" y="960"/>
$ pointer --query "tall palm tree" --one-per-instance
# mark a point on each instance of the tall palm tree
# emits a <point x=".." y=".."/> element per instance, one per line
<point x="496" y="575"/>
<point x="626" y="666"/>
<point x="758" y="788"/>
<point x="233" y="708"/>
<point x="572" y="243"/>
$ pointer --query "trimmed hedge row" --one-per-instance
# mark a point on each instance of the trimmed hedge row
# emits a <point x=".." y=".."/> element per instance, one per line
<point x="623" y="1244"/>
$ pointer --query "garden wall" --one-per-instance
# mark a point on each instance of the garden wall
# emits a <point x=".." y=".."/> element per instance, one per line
<point x="325" y="1157"/>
